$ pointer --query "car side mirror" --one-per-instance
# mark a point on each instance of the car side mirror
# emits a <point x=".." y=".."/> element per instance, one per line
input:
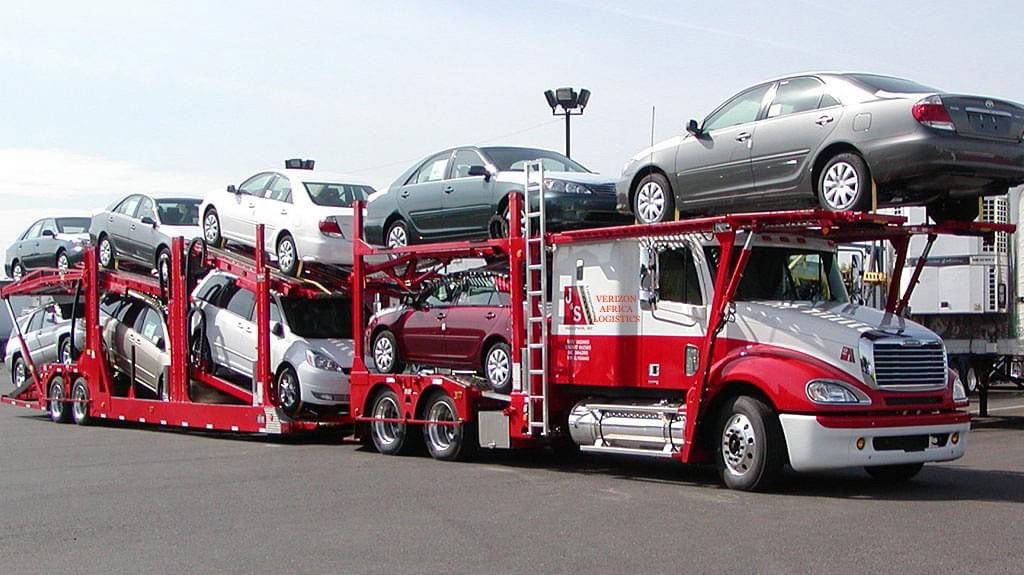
<point x="160" y="343"/>
<point x="693" y="127"/>
<point x="49" y="234"/>
<point x="277" y="329"/>
<point x="479" y="171"/>
<point x="232" y="189"/>
<point x="148" y="221"/>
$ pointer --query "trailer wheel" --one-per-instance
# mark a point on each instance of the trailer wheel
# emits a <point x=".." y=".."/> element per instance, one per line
<point x="971" y="381"/>
<point x="750" y="450"/>
<point x="894" y="473"/>
<point x="80" y="406"/>
<point x="386" y="357"/>
<point x="389" y="437"/>
<point x="59" y="411"/>
<point x="448" y="442"/>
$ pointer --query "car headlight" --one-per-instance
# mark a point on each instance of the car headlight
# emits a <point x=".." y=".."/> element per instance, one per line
<point x="959" y="391"/>
<point x="321" y="361"/>
<point x="831" y="392"/>
<point x="565" y="187"/>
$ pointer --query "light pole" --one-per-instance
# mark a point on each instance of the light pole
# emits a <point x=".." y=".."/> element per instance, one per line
<point x="571" y="103"/>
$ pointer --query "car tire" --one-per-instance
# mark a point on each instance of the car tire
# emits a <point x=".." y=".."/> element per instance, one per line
<point x="105" y="252"/>
<point x="161" y="389"/>
<point x="844" y="184"/>
<point x="62" y="262"/>
<point x="59" y="409"/>
<point x="389" y="438"/>
<point x="894" y="473"/>
<point x="19" y="369"/>
<point x="287" y="255"/>
<point x="448" y="442"/>
<point x="653" y="200"/>
<point x="17" y="270"/>
<point x="65" y="351"/>
<point x="289" y="391"/>
<point x="397" y="235"/>
<point x="163" y="266"/>
<point x="750" y="447"/>
<point x="80" y="402"/>
<point x="960" y="210"/>
<point x="386" y="356"/>
<point x="497" y="367"/>
<point x="211" y="228"/>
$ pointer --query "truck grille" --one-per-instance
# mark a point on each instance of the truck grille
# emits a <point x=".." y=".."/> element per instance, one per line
<point x="910" y="367"/>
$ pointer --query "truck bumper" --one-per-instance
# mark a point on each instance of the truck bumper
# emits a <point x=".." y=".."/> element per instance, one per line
<point x="817" y="443"/>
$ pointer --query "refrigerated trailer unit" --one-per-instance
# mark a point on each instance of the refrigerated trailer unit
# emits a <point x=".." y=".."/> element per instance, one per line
<point x="84" y="390"/>
<point x="664" y="341"/>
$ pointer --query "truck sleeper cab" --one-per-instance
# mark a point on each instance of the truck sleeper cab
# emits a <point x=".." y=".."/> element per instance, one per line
<point x="797" y="375"/>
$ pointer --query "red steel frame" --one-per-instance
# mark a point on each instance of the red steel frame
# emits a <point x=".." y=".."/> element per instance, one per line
<point x="840" y="227"/>
<point x="260" y="415"/>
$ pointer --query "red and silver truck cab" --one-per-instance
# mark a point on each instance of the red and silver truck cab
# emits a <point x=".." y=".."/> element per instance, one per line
<point x="850" y="385"/>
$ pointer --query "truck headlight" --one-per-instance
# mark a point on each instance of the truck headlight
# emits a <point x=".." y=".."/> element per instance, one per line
<point x="321" y="361"/>
<point x="831" y="392"/>
<point x="959" y="391"/>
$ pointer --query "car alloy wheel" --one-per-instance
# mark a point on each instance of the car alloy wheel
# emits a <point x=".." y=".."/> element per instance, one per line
<point x="384" y="354"/>
<point x="63" y="263"/>
<point x="20" y="372"/>
<point x="288" y="393"/>
<point x="499" y="367"/>
<point x="650" y="203"/>
<point x="841" y="186"/>
<point x="398" y="236"/>
<point x="64" y="354"/>
<point x="18" y="271"/>
<point x="163" y="268"/>
<point x="211" y="228"/>
<point x="287" y="258"/>
<point x="106" y="253"/>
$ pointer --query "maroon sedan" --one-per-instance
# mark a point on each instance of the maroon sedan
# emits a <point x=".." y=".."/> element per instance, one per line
<point x="462" y="322"/>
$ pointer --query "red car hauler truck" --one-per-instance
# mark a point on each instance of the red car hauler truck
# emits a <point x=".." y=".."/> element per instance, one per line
<point x="727" y="339"/>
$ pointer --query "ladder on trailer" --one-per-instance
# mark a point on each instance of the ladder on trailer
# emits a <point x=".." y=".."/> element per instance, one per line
<point x="535" y="356"/>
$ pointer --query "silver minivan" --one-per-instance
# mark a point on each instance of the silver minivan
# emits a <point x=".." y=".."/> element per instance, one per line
<point x="310" y="341"/>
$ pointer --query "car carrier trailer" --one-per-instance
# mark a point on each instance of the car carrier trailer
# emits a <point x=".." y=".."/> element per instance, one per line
<point x="84" y="390"/>
<point x="720" y="392"/>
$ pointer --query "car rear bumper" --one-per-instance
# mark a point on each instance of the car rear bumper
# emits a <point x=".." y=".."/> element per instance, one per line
<point x="322" y="387"/>
<point x="927" y="160"/>
<point x="324" y="250"/>
<point x="817" y="442"/>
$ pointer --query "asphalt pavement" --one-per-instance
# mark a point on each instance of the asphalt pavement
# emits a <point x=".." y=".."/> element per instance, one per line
<point x="117" y="498"/>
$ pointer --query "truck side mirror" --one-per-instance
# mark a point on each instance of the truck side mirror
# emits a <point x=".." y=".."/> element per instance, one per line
<point x="648" y="278"/>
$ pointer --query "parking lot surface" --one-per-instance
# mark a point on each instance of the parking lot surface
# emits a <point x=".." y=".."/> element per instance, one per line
<point x="118" y="498"/>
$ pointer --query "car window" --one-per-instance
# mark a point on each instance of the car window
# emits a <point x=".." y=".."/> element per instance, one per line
<point x="478" y="291"/>
<point x="442" y="294"/>
<point x="433" y="169"/>
<point x="795" y="96"/>
<point x="320" y="318"/>
<point x="336" y="195"/>
<point x="890" y="84"/>
<point x="255" y="185"/>
<point x="127" y="313"/>
<point x="128" y="205"/>
<point x="241" y="302"/>
<point x="677" y="279"/>
<point x="73" y="225"/>
<point x="514" y="159"/>
<point x="212" y="288"/>
<point x="36" y="321"/>
<point x="34" y="231"/>
<point x="178" y="212"/>
<point x="462" y="161"/>
<point x="740" y="110"/>
<point x="50" y="226"/>
<point x="110" y="305"/>
<point x="275" y="312"/>
<point x="150" y="324"/>
<point x="145" y="209"/>
<point x="280" y="190"/>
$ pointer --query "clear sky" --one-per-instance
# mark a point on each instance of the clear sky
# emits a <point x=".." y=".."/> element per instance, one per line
<point x="100" y="98"/>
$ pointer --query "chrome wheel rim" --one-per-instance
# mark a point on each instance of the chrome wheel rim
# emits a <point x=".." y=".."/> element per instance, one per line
<point x="286" y="254"/>
<point x="211" y="228"/>
<point x="65" y="352"/>
<point x="383" y="354"/>
<point x="106" y="252"/>
<point x="739" y="444"/>
<point x="840" y="186"/>
<point x="20" y="373"/>
<point x="971" y="381"/>
<point x="63" y="263"/>
<point x="498" y="366"/>
<point x="288" y="390"/>
<point x="164" y="268"/>
<point x="386" y="432"/>
<point x="397" y="237"/>
<point x="441" y="436"/>
<point x="57" y="398"/>
<point x="79" y="408"/>
<point x="18" y="272"/>
<point x="650" y="203"/>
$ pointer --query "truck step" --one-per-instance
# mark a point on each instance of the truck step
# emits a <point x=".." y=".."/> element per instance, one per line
<point x="627" y="451"/>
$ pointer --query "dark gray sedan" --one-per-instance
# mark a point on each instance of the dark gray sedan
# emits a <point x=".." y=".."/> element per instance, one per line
<point x="462" y="193"/>
<point x="830" y="139"/>
<point x="50" y="243"/>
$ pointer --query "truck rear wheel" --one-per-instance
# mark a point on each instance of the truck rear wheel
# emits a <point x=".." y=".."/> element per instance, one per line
<point x="894" y="473"/>
<point x="750" y="448"/>
<point x="80" y="405"/>
<point x="445" y="441"/>
<point x="59" y="411"/>
<point x="389" y="437"/>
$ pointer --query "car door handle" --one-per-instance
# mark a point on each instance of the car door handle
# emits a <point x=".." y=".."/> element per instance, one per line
<point x="252" y="205"/>
<point x="491" y="315"/>
<point x="405" y="194"/>
<point x="743" y="136"/>
<point x="824" y="120"/>
<point x="441" y="316"/>
<point x="110" y="219"/>
<point x="133" y="227"/>
<point x="449" y="189"/>
<point x="284" y="212"/>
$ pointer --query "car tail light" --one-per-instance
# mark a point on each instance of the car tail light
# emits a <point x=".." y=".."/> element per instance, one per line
<point x="330" y="227"/>
<point x="932" y="113"/>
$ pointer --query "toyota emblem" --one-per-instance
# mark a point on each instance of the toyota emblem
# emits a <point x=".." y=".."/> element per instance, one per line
<point x="989" y="104"/>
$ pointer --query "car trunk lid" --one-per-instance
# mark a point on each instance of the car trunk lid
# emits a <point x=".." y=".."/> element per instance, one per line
<point x="985" y="117"/>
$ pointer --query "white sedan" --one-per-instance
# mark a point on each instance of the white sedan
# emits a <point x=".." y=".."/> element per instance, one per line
<point x="307" y="214"/>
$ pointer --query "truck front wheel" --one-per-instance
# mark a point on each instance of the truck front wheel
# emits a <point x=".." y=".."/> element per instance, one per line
<point x="751" y="448"/>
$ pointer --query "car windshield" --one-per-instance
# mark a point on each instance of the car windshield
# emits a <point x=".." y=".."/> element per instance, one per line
<point x="73" y="225"/>
<point x="513" y="159"/>
<point x="178" y="212"/>
<point x="319" y="318"/>
<point x="336" y="195"/>
<point x="788" y="274"/>
<point x="891" y="84"/>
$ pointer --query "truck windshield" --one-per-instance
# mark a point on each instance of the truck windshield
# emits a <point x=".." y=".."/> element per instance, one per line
<point x="320" y="318"/>
<point x="787" y="274"/>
